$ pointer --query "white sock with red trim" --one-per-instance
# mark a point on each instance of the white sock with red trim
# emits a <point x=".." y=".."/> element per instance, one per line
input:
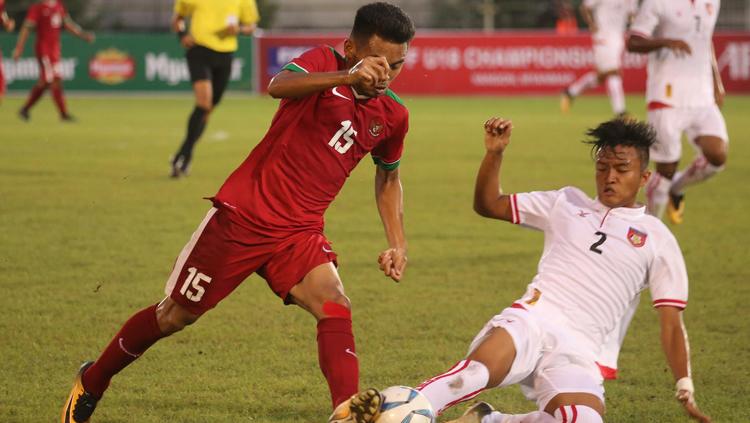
<point x="657" y="194"/>
<point x="698" y="171"/>
<point x="616" y="93"/>
<point x="577" y="414"/>
<point x="535" y="417"/>
<point x="460" y="383"/>
<point x="588" y="80"/>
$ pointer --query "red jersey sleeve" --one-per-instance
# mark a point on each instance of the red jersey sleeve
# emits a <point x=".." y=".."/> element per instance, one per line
<point x="319" y="59"/>
<point x="33" y="14"/>
<point x="387" y="154"/>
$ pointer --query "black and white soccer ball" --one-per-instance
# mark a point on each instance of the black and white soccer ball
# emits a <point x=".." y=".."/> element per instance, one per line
<point x="403" y="404"/>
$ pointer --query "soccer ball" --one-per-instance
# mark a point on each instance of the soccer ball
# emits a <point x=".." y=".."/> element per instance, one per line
<point x="405" y="405"/>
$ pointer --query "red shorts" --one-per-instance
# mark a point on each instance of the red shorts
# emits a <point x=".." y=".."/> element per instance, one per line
<point x="224" y="251"/>
<point x="50" y="67"/>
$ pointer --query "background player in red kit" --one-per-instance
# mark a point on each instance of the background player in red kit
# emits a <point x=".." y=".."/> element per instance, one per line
<point x="48" y="17"/>
<point x="8" y="24"/>
<point x="268" y="216"/>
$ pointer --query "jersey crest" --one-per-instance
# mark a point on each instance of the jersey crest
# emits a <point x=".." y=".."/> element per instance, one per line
<point x="636" y="237"/>
<point x="376" y="127"/>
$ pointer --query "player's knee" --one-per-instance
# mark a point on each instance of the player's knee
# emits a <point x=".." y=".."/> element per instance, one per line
<point x="578" y="413"/>
<point x="666" y="170"/>
<point x="172" y="317"/>
<point x="716" y="158"/>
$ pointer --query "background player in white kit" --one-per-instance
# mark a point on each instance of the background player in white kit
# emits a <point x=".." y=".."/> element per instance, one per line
<point x="684" y="92"/>
<point x="598" y="255"/>
<point x="607" y="21"/>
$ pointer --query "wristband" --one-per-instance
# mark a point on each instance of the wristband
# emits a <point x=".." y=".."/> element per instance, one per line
<point x="685" y="384"/>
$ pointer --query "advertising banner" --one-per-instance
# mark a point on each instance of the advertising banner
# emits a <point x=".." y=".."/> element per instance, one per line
<point x="503" y="62"/>
<point x="117" y="62"/>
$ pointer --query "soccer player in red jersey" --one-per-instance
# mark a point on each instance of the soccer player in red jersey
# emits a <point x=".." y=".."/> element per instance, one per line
<point x="267" y="218"/>
<point x="8" y="24"/>
<point x="47" y="17"/>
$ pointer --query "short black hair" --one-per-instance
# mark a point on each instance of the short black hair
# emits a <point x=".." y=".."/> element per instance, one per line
<point x="385" y="20"/>
<point x="625" y="132"/>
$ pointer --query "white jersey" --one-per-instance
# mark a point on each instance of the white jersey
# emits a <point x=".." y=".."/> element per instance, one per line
<point x="596" y="261"/>
<point x="679" y="81"/>
<point x="611" y="16"/>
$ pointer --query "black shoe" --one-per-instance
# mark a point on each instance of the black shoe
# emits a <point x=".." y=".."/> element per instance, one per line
<point x="24" y="115"/>
<point x="68" y="118"/>
<point x="179" y="166"/>
<point x="81" y="404"/>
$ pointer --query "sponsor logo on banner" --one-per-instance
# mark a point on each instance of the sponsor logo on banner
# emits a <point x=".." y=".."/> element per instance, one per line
<point x="161" y="67"/>
<point x="636" y="237"/>
<point x="736" y="57"/>
<point x="111" y="66"/>
<point x="27" y="69"/>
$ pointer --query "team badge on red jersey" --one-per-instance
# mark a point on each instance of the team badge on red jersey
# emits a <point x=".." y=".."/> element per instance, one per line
<point x="376" y="127"/>
<point x="636" y="237"/>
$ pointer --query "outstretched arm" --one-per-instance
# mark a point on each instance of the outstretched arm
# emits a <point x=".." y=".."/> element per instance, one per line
<point x="367" y="72"/>
<point x="76" y="30"/>
<point x="640" y="44"/>
<point x="389" y="196"/>
<point x="719" y="92"/>
<point x="674" y="342"/>
<point x="489" y="200"/>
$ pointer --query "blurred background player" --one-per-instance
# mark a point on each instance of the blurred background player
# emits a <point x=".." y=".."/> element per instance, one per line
<point x="607" y="21"/>
<point x="599" y="254"/>
<point x="8" y="24"/>
<point x="210" y="44"/>
<point x="48" y="17"/>
<point x="684" y="93"/>
<point x="267" y="217"/>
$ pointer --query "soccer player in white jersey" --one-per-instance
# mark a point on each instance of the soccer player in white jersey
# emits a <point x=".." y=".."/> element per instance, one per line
<point x="684" y="92"/>
<point x="607" y="21"/>
<point x="599" y="254"/>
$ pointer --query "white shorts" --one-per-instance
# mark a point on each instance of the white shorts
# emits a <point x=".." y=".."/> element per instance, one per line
<point x="549" y="359"/>
<point x="671" y="122"/>
<point x="608" y="52"/>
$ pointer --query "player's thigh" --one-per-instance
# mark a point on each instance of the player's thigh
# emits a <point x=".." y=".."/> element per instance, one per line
<point x="575" y="398"/>
<point x="708" y="133"/>
<point x="607" y="54"/>
<point x="46" y="69"/>
<point x="219" y="256"/>
<point x="509" y="345"/>
<point x="560" y="378"/>
<point x="221" y="72"/>
<point x="303" y="271"/>
<point x="669" y="124"/>
<point x="199" y="67"/>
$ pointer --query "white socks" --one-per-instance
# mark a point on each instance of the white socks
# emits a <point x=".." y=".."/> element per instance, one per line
<point x="461" y="382"/>
<point x="657" y="194"/>
<point x="566" y="414"/>
<point x="616" y="93"/>
<point x="698" y="171"/>
<point x="587" y="81"/>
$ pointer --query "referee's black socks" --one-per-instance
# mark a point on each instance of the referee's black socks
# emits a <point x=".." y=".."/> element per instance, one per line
<point x="196" y="125"/>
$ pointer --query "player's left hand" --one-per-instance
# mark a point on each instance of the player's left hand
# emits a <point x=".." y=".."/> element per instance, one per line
<point x="230" y="30"/>
<point x="393" y="262"/>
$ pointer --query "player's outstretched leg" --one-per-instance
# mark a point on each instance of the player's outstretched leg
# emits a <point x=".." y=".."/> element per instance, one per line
<point x="81" y="404"/>
<point x="585" y="82"/>
<point x="363" y="407"/>
<point x="34" y="95"/>
<point x="484" y="413"/>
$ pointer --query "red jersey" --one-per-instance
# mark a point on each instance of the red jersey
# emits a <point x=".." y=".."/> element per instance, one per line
<point x="48" y="18"/>
<point x="292" y="176"/>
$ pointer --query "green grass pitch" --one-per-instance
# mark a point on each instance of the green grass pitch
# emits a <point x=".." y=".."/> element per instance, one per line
<point x="90" y="225"/>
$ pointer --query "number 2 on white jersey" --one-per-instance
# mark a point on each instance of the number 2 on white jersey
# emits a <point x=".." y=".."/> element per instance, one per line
<point x="346" y="132"/>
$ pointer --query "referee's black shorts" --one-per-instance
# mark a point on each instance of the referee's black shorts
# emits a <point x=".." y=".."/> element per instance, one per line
<point x="206" y="64"/>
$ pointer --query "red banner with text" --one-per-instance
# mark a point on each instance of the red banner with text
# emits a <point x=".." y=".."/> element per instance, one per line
<point x="441" y="63"/>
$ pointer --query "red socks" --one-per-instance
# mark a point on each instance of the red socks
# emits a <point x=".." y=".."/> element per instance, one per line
<point x="337" y="356"/>
<point x="57" y="95"/>
<point x="136" y="336"/>
<point x="34" y="95"/>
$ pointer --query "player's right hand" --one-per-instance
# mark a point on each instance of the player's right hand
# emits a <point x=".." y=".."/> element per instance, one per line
<point x="370" y="76"/>
<point x="679" y="48"/>
<point x="497" y="133"/>
<point x="187" y="41"/>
